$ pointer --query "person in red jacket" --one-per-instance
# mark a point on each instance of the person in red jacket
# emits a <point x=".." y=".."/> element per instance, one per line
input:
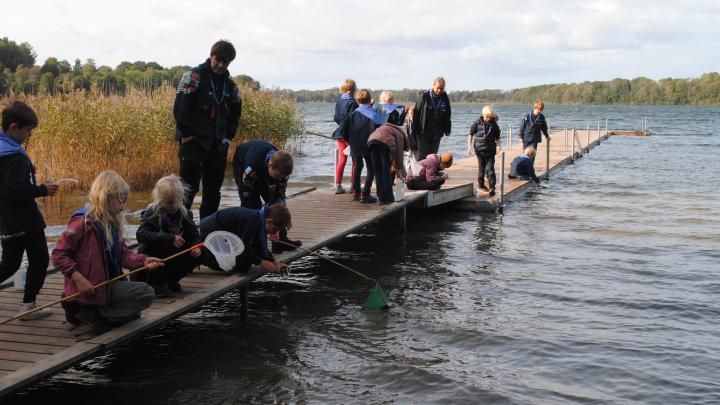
<point x="92" y="250"/>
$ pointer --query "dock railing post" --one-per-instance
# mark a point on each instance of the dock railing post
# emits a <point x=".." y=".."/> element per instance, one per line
<point x="547" y="159"/>
<point x="501" y="199"/>
<point x="509" y="137"/>
<point x="565" y="145"/>
<point x="598" y="132"/>
<point x="587" y="147"/>
<point x="606" y="126"/>
<point x="572" y="155"/>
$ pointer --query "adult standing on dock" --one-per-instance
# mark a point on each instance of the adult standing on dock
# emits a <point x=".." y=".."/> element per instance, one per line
<point x="431" y="118"/>
<point x="207" y="115"/>
<point x="532" y="125"/>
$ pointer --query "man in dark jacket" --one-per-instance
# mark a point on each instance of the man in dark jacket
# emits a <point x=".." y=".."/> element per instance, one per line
<point x="253" y="227"/>
<point x="207" y="115"/>
<point x="532" y="125"/>
<point x="22" y="228"/>
<point x="262" y="171"/>
<point x="522" y="166"/>
<point x="431" y="118"/>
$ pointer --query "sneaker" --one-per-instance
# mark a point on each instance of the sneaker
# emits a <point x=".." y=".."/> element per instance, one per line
<point x="27" y="306"/>
<point x="162" y="291"/>
<point x="492" y="192"/>
<point x="482" y="188"/>
<point x="339" y="189"/>
<point x="174" y="286"/>
<point x="368" y="199"/>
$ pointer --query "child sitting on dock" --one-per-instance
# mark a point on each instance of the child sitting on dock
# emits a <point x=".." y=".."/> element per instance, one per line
<point x="387" y="145"/>
<point x="92" y="250"/>
<point x="168" y="228"/>
<point x="484" y="139"/>
<point x="522" y="166"/>
<point x="356" y="129"/>
<point x="344" y="106"/>
<point x="253" y="227"/>
<point x="430" y="176"/>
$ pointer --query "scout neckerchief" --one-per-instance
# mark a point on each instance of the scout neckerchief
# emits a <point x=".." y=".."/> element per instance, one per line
<point x="212" y="91"/>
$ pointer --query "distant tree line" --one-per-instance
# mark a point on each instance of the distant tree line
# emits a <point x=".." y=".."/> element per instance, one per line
<point x="20" y="74"/>
<point x="700" y="91"/>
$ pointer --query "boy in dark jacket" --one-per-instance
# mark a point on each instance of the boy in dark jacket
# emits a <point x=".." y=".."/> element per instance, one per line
<point x="22" y="228"/>
<point x="532" y="125"/>
<point x="207" y="113"/>
<point x="262" y="171"/>
<point x="253" y="227"/>
<point x="522" y="166"/>
<point x="168" y="228"/>
<point x="344" y="106"/>
<point x="484" y="139"/>
<point x="356" y="129"/>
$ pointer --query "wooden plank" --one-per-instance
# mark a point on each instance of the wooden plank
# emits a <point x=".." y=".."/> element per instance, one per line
<point x="21" y="356"/>
<point x="12" y="365"/>
<point x="37" y="339"/>
<point x="30" y="347"/>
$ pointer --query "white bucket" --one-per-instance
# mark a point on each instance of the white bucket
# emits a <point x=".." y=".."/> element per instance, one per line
<point x="399" y="190"/>
<point x="19" y="279"/>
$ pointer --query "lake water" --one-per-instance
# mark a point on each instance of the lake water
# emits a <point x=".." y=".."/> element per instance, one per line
<point x="603" y="286"/>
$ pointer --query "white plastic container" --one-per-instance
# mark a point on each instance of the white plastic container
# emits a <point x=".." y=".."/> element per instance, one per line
<point x="399" y="190"/>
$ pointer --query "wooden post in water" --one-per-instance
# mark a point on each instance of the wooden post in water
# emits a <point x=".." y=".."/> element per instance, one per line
<point x="501" y="198"/>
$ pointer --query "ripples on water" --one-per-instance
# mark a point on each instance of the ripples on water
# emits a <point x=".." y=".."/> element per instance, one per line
<point x="600" y="286"/>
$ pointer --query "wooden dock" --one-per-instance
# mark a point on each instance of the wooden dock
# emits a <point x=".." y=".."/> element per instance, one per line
<point x="32" y="350"/>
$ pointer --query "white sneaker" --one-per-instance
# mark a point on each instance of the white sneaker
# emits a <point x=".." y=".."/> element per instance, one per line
<point x="43" y="313"/>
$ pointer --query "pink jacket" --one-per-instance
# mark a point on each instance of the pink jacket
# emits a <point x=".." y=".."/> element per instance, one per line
<point x="81" y="249"/>
<point x="429" y="169"/>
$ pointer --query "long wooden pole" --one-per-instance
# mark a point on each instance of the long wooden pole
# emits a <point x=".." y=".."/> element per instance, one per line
<point x="106" y="282"/>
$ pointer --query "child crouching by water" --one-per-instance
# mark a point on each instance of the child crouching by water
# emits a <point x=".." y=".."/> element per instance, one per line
<point x="92" y="250"/>
<point x="168" y="228"/>
<point x="430" y="176"/>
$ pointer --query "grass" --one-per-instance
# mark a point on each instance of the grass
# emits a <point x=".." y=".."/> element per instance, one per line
<point x="83" y="133"/>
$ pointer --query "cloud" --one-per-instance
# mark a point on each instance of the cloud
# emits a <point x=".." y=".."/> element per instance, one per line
<point x="314" y="44"/>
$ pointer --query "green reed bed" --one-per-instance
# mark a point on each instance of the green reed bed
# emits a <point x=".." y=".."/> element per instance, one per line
<point x="83" y="133"/>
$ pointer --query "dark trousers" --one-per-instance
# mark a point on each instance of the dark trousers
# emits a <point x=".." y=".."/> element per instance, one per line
<point x="425" y="185"/>
<point x="197" y="164"/>
<point x="357" y="170"/>
<point x="427" y="145"/>
<point x="486" y="166"/>
<point x="173" y="271"/>
<point x="380" y="155"/>
<point x="35" y="244"/>
<point x="250" y="198"/>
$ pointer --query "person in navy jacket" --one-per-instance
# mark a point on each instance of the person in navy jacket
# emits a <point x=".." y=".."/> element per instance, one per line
<point x="484" y="139"/>
<point x="522" y="166"/>
<point x="207" y="115"/>
<point x="253" y="227"/>
<point x="262" y="171"/>
<point x="356" y="130"/>
<point x="532" y="125"/>
<point x="431" y="118"/>
<point x="344" y="106"/>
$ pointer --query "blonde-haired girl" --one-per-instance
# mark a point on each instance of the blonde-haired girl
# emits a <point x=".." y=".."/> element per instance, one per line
<point x="167" y="228"/>
<point x="484" y="140"/>
<point x="92" y="250"/>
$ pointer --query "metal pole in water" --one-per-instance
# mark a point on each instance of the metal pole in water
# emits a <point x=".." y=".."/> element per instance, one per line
<point x="509" y="144"/>
<point x="565" y="145"/>
<point x="606" y="127"/>
<point x="547" y="160"/>
<point x="598" y="132"/>
<point x="588" y="139"/>
<point x="502" y="182"/>
<point x="572" y="155"/>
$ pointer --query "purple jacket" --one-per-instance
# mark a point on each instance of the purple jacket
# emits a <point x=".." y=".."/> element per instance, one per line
<point x="429" y="170"/>
<point x="80" y="249"/>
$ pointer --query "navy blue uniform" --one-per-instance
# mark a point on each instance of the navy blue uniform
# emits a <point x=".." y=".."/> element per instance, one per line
<point x="207" y="115"/>
<point x="485" y="136"/>
<point x="248" y="225"/>
<point x="356" y="130"/>
<point x="530" y="129"/>
<point x="250" y="169"/>
<point x="431" y="121"/>
<point x="522" y="168"/>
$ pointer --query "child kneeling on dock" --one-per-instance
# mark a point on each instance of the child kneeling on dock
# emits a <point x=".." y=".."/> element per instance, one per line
<point x="484" y="139"/>
<point x="430" y="176"/>
<point x="92" y="250"/>
<point x="253" y="227"/>
<point x="168" y="228"/>
<point x="522" y="166"/>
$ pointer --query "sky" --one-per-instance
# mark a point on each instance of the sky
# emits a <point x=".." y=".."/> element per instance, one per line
<point x="298" y="44"/>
